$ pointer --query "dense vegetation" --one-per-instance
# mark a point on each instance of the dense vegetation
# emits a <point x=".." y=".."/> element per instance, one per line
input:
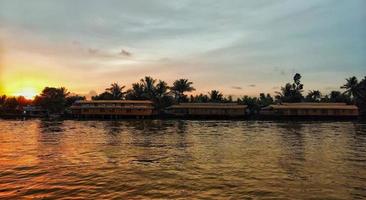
<point x="57" y="100"/>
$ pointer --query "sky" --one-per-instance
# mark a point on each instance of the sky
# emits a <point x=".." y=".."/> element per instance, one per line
<point x="238" y="47"/>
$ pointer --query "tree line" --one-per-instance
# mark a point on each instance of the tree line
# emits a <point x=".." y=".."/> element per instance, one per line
<point x="57" y="100"/>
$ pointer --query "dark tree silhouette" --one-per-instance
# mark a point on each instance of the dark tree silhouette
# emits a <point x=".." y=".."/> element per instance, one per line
<point x="313" y="96"/>
<point x="265" y="100"/>
<point x="357" y="90"/>
<point x="201" y="98"/>
<point x="351" y="87"/>
<point x="52" y="99"/>
<point x="179" y="87"/>
<point x="116" y="91"/>
<point x="137" y="92"/>
<point x="291" y="92"/>
<point x="150" y="89"/>
<point x="216" y="96"/>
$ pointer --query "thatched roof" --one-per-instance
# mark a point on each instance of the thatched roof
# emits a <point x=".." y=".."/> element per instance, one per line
<point x="332" y="106"/>
<point x="209" y="106"/>
<point x="115" y="101"/>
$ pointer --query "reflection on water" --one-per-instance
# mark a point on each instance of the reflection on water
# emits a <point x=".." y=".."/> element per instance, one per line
<point x="182" y="159"/>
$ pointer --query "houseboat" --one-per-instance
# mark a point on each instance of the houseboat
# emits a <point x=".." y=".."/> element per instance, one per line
<point x="112" y="108"/>
<point x="207" y="110"/>
<point x="311" y="110"/>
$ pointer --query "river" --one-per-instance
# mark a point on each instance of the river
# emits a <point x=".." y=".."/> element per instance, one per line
<point x="182" y="159"/>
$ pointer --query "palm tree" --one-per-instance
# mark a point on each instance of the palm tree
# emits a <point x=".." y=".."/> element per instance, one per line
<point x="149" y="86"/>
<point x="251" y="102"/>
<point x="116" y="91"/>
<point x="136" y="92"/>
<point x="201" y="98"/>
<point x="181" y="86"/>
<point x="339" y="97"/>
<point x="361" y="97"/>
<point x="265" y="100"/>
<point x="215" y="96"/>
<point x="162" y="98"/>
<point x="313" y="96"/>
<point x="148" y="89"/>
<point x="351" y="87"/>
<point x="291" y="92"/>
<point x="285" y="93"/>
<point x="161" y="89"/>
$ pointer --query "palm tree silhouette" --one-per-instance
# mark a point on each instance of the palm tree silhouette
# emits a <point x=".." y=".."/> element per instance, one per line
<point x="291" y="92"/>
<point x="351" y="87"/>
<point x="215" y="96"/>
<point x="136" y="92"/>
<point x="313" y="96"/>
<point x="116" y="91"/>
<point x="181" y="86"/>
<point x="149" y="87"/>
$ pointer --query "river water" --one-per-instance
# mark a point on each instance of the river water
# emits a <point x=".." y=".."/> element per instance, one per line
<point x="173" y="159"/>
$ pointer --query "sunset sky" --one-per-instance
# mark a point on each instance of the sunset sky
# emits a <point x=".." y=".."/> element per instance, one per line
<point x="238" y="47"/>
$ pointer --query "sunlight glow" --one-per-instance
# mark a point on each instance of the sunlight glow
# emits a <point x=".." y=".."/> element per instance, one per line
<point x="28" y="93"/>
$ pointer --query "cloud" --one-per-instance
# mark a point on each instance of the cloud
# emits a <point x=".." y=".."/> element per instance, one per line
<point x="236" y="87"/>
<point x="212" y="47"/>
<point x="124" y="52"/>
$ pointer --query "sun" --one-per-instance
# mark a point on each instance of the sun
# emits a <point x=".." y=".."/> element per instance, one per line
<point x="28" y="92"/>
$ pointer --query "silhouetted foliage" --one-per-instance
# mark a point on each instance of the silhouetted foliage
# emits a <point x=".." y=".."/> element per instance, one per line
<point x="201" y="98"/>
<point x="337" y="97"/>
<point x="136" y="92"/>
<point x="265" y="100"/>
<point x="13" y="105"/>
<point x="228" y="99"/>
<point x="52" y="99"/>
<point x="216" y="96"/>
<point x="55" y="100"/>
<point x="114" y="92"/>
<point x="103" y="96"/>
<point x="2" y="99"/>
<point x="150" y="89"/>
<point x="72" y="99"/>
<point x="178" y="89"/>
<point x="161" y="97"/>
<point x="251" y="102"/>
<point x="291" y="93"/>
<point x="351" y="87"/>
<point x="313" y="96"/>
<point x="357" y="90"/>
<point x="360" y="97"/>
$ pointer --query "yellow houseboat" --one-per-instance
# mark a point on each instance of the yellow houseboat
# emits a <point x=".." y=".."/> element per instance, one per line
<point x="112" y="108"/>
<point x="207" y="110"/>
<point x="310" y="110"/>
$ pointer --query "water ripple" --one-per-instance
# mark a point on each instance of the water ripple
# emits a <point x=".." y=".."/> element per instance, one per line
<point x="178" y="159"/>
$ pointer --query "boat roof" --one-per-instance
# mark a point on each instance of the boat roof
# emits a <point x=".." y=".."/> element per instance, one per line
<point x="113" y="101"/>
<point x="209" y="105"/>
<point x="342" y="106"/>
